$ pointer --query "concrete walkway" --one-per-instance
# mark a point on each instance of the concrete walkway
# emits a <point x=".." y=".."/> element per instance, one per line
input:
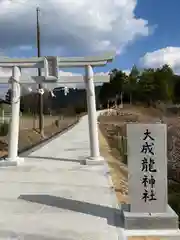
<point x="51" y="196"/>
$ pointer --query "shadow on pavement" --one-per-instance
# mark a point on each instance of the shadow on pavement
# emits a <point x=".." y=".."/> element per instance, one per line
<point x="56" y="159"/>
<point x="111" y="214"/>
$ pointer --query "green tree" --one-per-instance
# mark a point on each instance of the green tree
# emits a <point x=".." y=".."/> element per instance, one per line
<point x="176" y="89"/>
<point x="8" y="95"/>
<point x="130" y="85"/>
<point x="156" y="84"/>
<point x="105" y="93"/>
<point x="164" y="81"/>
<point x="114" y="88"/>
<point x="147" y="87"/>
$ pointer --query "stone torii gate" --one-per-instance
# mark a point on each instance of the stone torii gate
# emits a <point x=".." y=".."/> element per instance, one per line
<point x="51" y="65"/>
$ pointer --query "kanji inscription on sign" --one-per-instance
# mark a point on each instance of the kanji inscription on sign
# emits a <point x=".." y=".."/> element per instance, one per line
<point x="147" y="166"/>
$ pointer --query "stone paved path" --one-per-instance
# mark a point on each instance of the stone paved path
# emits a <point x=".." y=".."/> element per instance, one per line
<point x="51" y="196"/>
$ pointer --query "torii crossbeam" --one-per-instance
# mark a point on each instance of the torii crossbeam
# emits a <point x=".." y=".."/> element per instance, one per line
<point x="51" y="66"/>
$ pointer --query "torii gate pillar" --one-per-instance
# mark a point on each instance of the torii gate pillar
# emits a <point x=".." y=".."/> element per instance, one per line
<point x="13" y="158"/>
<point x="92" y="117"/>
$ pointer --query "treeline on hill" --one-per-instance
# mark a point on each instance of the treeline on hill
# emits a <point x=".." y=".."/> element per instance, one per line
<point x="147" y="86"/>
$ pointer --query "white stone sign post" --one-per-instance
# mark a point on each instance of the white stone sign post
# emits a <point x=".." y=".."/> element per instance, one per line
<point x="147" y="181"/>
<point x="51" y="65"/>
<point x="147" y="165"/>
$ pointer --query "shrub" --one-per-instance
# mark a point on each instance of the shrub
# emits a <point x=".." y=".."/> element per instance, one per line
<point x="122" y="147"/>
<point x="57" y="123"/>
<point x="80" y="110"/>
<point x="4" y="128"/>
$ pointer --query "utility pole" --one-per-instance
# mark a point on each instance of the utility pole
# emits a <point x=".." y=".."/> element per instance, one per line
<point x="40" y="102"/>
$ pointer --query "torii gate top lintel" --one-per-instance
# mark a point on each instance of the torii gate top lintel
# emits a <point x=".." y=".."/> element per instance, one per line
<point x="38" y="62"/>
<point x="51" y="65"/>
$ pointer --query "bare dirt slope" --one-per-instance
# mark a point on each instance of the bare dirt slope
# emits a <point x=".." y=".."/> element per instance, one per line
<point x="30" y="122"/>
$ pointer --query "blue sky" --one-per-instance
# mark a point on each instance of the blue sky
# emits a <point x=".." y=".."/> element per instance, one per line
<point x="164" y="16"/>
<point x="142" y="32"/>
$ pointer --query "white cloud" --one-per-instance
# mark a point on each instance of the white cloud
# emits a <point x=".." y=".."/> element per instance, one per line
<point x="168" y="55"/>
<point x="25" y="48"/>
<point x="69" y="26"/>
<point x="127" y="71"/>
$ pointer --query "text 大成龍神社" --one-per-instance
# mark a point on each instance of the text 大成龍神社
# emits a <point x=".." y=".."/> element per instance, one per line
<point x="148" y="167"/>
